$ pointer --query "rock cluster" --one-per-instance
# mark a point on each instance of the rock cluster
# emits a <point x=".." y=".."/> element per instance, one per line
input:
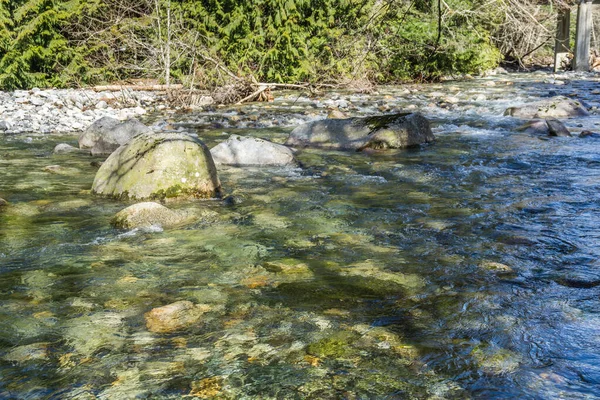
<point x="68" y="110"/>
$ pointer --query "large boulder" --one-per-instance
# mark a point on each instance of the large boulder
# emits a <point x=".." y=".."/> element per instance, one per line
<point x="175" y="316"/>
<point x="147" y="214"/>
<point x="238" y="150"/>
<point x="394" y="131"/>
<point x="554" y="107"/>
<point x="106" y="134"/>
<point x="164" y="165"/>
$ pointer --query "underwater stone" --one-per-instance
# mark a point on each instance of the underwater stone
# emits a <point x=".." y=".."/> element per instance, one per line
<point x="555" y="107"/>
<point x="238" y="150"/>
<point x="496" y="267"/>
<point x="159" y="166"/>
<point x="147" y="214"/>
<point x="394" y="131"/>
<point x="3" y="203"/>
<point x="175" y="316"/>
<point x="30" y="352"/>
<point x="64" y="148"/>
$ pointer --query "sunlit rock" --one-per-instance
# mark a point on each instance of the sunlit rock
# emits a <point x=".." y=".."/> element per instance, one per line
<point x="64" y="148"/>
<point x="106" y="134"/>
<point x="159" y="166"/>
<point x="238" y="150"/>
<point x="555" y="107"/>
<point x="175" y="316"/>
<point x="496" y="267"/>
<point x="147" y="214"/>
<point x="393" y="131"/>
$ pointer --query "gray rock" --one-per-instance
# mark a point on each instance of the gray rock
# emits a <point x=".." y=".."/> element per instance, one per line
<point x="557" y="128"/>
<point x="4" y="126"/>
<point x="36" y="101"/>
<point x="238" y="150"/>
<point x="555" y="107"/>
<point x="159" y="166"/>
<point x="64" y="148"/>
<point x="145" y="215"/>
<point x="548" y="126"/>
<point x="106" y="134"/>
<point x="392" y="131"/>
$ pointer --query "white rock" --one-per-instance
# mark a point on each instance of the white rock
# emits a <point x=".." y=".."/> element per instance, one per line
<point x="238" y="150"/>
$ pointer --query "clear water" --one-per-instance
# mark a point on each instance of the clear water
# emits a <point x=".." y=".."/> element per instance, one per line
<point x="357" y="276"/>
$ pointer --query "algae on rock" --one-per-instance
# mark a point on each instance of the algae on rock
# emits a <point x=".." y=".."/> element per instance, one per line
<point x="159" y="166"/>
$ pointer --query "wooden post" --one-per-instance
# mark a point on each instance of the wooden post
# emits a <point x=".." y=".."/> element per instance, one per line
<point x="562" y="46"/>
<point x="583" y="36"/>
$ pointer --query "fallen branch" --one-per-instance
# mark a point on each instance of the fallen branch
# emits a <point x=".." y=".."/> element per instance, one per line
<point x="148" y="88"/>
<point x="253" y="95"/>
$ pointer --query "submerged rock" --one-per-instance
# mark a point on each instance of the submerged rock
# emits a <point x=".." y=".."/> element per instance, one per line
<point x="29" y="352"/>
<point x="144" y="215"/>
<point x="106" y="134"/>
<point x="589" y="134"/>
<point x="555" y="107"/>
<point x="174" y="317"/>
<point x="64" y="148"/>
<point x="238" y="150"/>
<point x="3" y="203"/>
<point x="159" y="166"/>
<point x="393" y="131"/>
<point x="548" y="126"/>
<point x="496" y="267"/>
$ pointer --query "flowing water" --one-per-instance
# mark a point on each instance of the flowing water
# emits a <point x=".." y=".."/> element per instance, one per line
<point x="469" y="268"/>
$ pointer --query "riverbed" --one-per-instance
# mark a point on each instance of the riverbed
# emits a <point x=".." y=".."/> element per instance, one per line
<point x="467" y="268"/>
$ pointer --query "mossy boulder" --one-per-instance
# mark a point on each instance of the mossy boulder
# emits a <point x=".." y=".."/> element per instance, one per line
<point x="554" y="107"/>
<point x="394" y="131"/>
<point x="159" y="166"/>
<point x="147" y="214"/>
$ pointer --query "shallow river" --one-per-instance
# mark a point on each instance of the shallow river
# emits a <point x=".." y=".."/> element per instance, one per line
<point x="469" y="268"/>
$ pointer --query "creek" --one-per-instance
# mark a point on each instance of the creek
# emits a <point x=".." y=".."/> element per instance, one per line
<point x="469" y="268"/>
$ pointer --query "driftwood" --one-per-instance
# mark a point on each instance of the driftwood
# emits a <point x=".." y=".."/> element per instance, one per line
<point x="147" y="88"/>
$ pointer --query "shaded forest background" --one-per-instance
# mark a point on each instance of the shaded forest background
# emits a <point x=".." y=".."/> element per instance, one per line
<point x="206" y="43"/>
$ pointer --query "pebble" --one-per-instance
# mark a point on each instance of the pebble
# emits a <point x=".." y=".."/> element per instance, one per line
<point x="69" y="110"/>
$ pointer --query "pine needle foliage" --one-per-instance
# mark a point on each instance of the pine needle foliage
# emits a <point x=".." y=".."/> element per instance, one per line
<point x="76" y="42"/>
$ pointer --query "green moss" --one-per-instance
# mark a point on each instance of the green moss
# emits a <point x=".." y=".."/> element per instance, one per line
<point x="338" y="345"/>
<point x="383" y="121"/>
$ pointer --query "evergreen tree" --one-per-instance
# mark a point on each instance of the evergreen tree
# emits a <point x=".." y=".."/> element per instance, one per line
<point x="33" y="51"/>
